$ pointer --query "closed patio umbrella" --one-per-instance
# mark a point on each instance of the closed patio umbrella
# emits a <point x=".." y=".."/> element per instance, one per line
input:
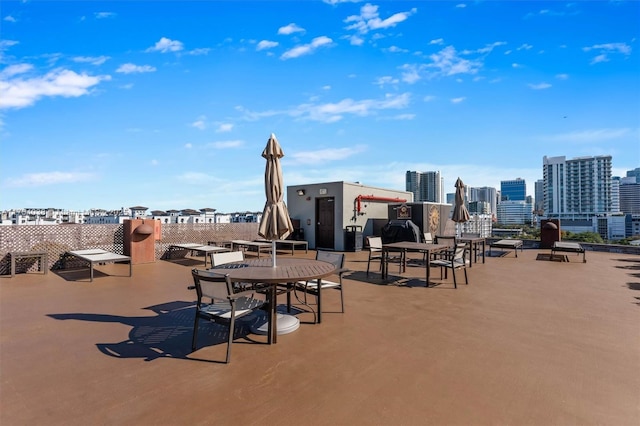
<point x="275" y="223"/>
<point x="460" y="212"/>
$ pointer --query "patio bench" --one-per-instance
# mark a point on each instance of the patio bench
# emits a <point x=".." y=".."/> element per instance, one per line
<point x="568" y="247"/>
<point x="507" y="244"/>
<point x="42" y="257"/>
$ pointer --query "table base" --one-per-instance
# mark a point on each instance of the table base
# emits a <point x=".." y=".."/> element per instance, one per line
<point x="285" y="324"/>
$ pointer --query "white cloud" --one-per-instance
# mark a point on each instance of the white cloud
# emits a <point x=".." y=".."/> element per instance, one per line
<point x="623" y="48"/>
<point x="333" y="112"/>
<point x="516" y="65"/>
<point x="334" y="2"/>
<point x="20" y="93"/>
<point x="562" y="76"/>
<point x="307" y="49"/>
<point x="381" y="81"/>
<point x="188" y="145"/>
<point x="224" y="127"/>
<point x="290" y="29"/>
<point x="93" y="60"/>
<point x="369" y="19"/>
<point x="166" y="45"/>
<point x="266" y="44"/>
<point x="154" y="162"/>
<point x="599" y="58"/>
<point x="448" y="63"/>
<point x="396" y="49"/>
<point x="325" y="155"/>
<point x="356" y="40"/>
<point x="10" y="18"/>
<point x="525" y="46"/>
<point x="607" y="49"/>
<point x="461" y="5"/>
<point x="437" y="41"/>
<point x="411" y="73"/>
<point x="48" y="178"/>
<point x="588" y="136"/>
<point x="226" y="144"/>
<point x="458" y="100"/>
<point x="104" y="15"/>
<point x="539" y="86"/>
<point x="200" y="51"/>
<point x="15" y="69"/>
<point x="135" y="69"/>
<point x="200" y="123"/>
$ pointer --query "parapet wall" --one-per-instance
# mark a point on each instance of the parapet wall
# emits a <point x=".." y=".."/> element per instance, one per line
<point x="58" y="239"/>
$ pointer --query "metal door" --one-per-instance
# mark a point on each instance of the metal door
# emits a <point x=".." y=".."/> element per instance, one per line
<point x="325" y="224"/>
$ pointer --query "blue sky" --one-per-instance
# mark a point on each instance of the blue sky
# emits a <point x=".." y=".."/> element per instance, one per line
<point x="169" y="104"/>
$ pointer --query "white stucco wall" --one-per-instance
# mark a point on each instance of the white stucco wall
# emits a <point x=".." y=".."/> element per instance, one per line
<point x="303" y="207"/>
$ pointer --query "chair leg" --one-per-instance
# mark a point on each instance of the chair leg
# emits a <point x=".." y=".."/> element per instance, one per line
<point x="232" y="326"/>
<point x="466" y="280"/>
<point x="195" y="332"/>
<point x="368" y="264"/>
<point x="341" y="300"/>
<point x="453" y="272"/>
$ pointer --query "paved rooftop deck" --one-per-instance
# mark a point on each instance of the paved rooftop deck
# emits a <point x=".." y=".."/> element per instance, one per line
<point x="526" y="343"/>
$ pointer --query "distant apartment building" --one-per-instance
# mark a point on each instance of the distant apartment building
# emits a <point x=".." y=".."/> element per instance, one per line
<point x="538" y="205"/>
<point x="513" y="190"/>
<point x="425" y="186"/>
<point x="634" y="173"/>
<point x="487" y="195"/>
<point x="515" y="213"/>
<point x="615" y="194"/>
<point x="577" y="189"/>
<point x="515" y="207"/>
<point x="629" y="195"/>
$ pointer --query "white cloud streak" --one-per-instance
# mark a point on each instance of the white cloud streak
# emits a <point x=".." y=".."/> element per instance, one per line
<point x="166" y="45"/>
<point x="18" y="92"/>
<point x="48" y="178"/>
<point x="307" y="49"/>
<point x="135" y="69"/>
<point x="290" y="29"/>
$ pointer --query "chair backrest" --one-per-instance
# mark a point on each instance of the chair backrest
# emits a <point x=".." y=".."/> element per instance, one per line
<point x="375" y="243"/>
<point x="427" y="237"/>
<point x="459" y="254"/>
<point x="337" y="259"/>
<point x="449" y="240"/>
<point x="218" y="259"/>
<point x="212" y="285"/>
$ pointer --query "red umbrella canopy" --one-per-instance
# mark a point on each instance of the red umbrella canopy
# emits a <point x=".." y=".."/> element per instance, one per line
<point x="276" y="223"/>
<point x="460" y="212"/>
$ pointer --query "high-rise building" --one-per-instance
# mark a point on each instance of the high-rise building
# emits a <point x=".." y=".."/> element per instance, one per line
<point x="485" y="194"/>
<point x="425" y="186"/>
<point x="634" y="173"/>
<point x="579" y="188"/>
<point x="629" y="194"/>
<point x="513" y="190"/>
<point x="539" y="197"/>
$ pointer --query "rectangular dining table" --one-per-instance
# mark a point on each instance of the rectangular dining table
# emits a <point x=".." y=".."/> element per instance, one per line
<point x="409" y="246"/>
<point x="259" y="246"/>
<point x="200" y="248"/>
<point x="473" y="243"/>
<point x="287" y="271"/>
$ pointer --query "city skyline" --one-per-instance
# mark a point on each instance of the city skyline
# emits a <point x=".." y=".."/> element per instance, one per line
<point x="110" y="104"/>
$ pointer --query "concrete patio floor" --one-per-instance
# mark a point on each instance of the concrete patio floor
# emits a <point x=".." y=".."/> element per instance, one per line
<point x="527" y="342"/>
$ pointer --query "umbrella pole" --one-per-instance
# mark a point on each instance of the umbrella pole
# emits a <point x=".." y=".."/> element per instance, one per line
<point x="273" y="253"/>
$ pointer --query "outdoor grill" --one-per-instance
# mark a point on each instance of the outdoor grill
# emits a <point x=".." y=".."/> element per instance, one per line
<point x="400" y="230"/>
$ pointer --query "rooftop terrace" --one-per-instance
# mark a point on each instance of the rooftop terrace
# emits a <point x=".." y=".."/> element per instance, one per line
<point x="527" y="342"/>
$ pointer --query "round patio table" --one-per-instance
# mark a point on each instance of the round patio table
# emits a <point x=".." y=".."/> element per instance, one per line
<point x="288" y="270"/>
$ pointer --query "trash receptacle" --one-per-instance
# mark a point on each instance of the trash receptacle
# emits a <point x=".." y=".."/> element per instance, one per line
<point x="353" y="238"/>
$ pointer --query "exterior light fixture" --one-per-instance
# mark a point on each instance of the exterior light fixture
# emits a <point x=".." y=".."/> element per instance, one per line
<point x="301" y="192"/>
